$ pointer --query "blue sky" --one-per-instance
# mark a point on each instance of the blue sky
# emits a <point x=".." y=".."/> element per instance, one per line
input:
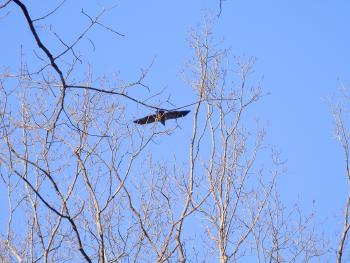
<point x="302" y="52"/>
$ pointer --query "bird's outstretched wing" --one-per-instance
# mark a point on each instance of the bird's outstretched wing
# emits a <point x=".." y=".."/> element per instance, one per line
<point x="146" y="120"/>
<point x="175" y="114"/>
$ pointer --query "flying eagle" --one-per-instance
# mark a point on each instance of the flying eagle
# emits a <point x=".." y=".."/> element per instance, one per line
<point x="161" y="116"/>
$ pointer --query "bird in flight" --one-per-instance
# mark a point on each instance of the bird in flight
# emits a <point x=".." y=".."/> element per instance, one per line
<point x="161" y="116"/>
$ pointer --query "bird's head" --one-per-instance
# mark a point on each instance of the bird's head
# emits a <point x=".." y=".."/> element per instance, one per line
<point x="160" y="112"/>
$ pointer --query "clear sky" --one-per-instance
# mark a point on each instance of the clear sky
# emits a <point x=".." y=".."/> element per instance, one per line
<point x="302" y="52"/>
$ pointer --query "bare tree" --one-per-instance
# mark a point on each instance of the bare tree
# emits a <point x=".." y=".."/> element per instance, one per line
<point x="339" y="112"/>
<point x="57" y="152"/>
<point x="79" y="182"/>
<point x="226" y="168"/>
<point x="235" y="197"/>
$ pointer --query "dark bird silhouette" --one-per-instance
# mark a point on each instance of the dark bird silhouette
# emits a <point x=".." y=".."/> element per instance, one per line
<point x="161" y="116"/>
